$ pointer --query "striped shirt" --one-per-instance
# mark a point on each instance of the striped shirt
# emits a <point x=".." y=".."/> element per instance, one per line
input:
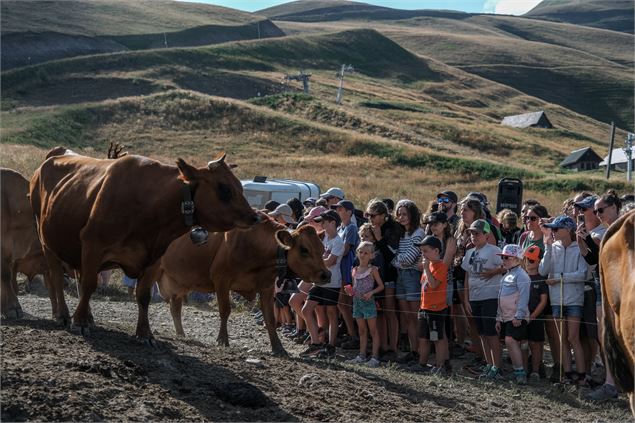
<point x="409" y="255"/>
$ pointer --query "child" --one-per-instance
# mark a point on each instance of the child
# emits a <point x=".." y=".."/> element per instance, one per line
<point x="326" y="295"/>
<point x="563" y="261"/>
<point x="365" y="277"/>
<point x="538" y="299"/>
<point x="434" y="306"/>
<point x="513" y="312"/>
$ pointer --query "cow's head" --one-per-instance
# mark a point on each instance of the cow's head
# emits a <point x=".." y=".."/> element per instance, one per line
<point x="218" y="196"/>
<point x="304" y="254"/>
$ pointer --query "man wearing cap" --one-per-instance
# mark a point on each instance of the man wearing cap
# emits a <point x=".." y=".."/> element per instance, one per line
<point x="309" y="202"/>
<point x="333" y="195"/>
<point x="283" y="214"/>
<point x="326" y="295"/>
<point x="513" y="308"/>
<point x="348" y="232"/>
<point x="448" y="204"/>
<point x="483" y="269"/>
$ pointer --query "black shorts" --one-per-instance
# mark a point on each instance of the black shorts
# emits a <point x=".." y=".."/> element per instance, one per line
<point x="484" y="313"/>
<point x="324" y="296"/>
<point x="456" y="299"/>
<point x="536" y="330"/>
<point x="518" y="333"/>
<point x="431" y="321"/>
<point x="589" y="323"/>
<point x="282" y="300"/>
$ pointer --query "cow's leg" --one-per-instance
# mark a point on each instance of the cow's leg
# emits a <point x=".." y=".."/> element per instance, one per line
<point x="83" y="318"/>
<point x="143" y="292"/>
<point x="224" y="308"/>
<point x="176" y="305"/>
<point x="56" y="285"/>
<point x="266" y="305"/>
<point x="11" y="308"/>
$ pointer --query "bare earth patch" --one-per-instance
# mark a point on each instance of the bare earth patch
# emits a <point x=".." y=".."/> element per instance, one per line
<point x="49" y="373"/>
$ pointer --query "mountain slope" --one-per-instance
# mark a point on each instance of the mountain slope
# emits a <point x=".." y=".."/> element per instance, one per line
<point x="616" y="15"/>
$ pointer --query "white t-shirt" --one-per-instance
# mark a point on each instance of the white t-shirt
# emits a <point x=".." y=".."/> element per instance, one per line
<point x="480" y="260"/>
<point x="334" y="246"/>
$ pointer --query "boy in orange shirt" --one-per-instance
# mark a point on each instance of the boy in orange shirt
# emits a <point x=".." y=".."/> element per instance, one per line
<point x="434" y="307"/>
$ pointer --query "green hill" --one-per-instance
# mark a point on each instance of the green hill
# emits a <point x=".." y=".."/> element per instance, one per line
<point x="38" y="31"/>
<point x="616" y="15"/>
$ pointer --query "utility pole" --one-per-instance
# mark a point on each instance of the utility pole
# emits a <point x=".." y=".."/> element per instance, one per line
<point x="610" y="158"/>
<point x="302" y="76"/>
<point x="340" y="76"/>
<point x="628" y="150"/>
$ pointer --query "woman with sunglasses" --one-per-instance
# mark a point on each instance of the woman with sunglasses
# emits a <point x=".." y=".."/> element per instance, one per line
<point x="566" y="271"/>
<point x="532" y="219"/>
<point x="607" y="209"/>
<point x="387" y="233"/>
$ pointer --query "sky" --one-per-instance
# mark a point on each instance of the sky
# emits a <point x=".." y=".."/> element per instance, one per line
<point x="506" y="7"/>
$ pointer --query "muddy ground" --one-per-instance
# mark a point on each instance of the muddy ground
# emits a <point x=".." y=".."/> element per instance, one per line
<point x="51" y="373"/>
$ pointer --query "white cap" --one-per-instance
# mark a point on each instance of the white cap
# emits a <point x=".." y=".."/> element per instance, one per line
<point x="333" y="192"/>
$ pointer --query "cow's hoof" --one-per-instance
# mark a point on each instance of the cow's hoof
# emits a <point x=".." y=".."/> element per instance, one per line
<point x="80" y="330"/>
<point x="222" y="342"/>
<point x="148" y="342"/>
<point x="282" y="353"/>
<point x="63" y="321"/>
<point x="13" y="313"/>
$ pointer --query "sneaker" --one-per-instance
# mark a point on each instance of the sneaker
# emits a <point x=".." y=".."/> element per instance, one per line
<point x="357" y="360"/>
<point x="312" y="349"/>
<point x="295" y="334"/>
<point x="495" y="374"/>
<point x="534" y="377"/>
<point x="389" y="356"/>
<point x="408" y="357"/>
<point x="520" y="376"/>
<point x="351" y="344"/>
<point x="373" y="362"/>
<point x="301" y="338"/>
<point x="604" y="393"/>
<point x="485" y="371"/>
<point x="438" y="371"/>
<point x="327" y="351"/>
<point x="423" y="368"/>
<point x="476" y="367"/>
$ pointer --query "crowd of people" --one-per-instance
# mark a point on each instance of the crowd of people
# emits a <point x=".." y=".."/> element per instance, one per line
<point x="455" y="279"/>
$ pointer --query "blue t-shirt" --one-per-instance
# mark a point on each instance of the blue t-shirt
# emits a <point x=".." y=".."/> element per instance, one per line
<point x="350" y="236"/>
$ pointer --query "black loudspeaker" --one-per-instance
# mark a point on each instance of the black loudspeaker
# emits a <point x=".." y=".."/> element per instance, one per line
<point x="510" y="195"/>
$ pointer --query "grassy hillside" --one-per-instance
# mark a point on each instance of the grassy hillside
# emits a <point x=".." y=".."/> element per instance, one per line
<point x="616" y="15"/>
<point x="583" y="69"/>
<point x="114" y="17"/>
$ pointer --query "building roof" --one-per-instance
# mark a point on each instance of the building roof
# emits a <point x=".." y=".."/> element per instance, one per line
<point x="617" y="157"/>
<point x="576" y="155"/>
<point x="526" y="120"/>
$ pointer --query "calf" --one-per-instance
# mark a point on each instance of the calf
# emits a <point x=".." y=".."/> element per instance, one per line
<point x="243" y="261"/>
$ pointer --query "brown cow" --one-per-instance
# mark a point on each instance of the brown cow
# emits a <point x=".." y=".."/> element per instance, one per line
<point x="617" y="279"/>
<point x="243" y="261"/>
<point x="21" y="249"/>
<point x="100" y="214"/>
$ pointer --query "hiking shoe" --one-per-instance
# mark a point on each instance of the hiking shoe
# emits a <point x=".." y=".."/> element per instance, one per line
<point x="438" y="371"/>
<point x="351" y="344"/>
<point x="604" y="393"/>
<point x="312" y="349"/>
<point x="357" y="360"/>
<point x="476" y="367"/>
<point x="520" y="376"/>
<point x="373" y="362"/>
<point x="534" y="377"/>
<point x="485" y="370"/>
<point x="408" y="357"/>
<point x="327" y="351"/>
<point x="295" y="334"/>
<point x="389" y="356"/>
<point x="301" y="338"/>
<point x="423" y="368"/>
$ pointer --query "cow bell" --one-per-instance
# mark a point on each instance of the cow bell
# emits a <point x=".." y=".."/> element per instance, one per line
<point x="198" y="235"/>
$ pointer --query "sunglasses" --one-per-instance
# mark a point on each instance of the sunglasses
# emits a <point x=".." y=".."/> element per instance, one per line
<point x="531" y="261"/>
<point x="443" y="200"/>
<point x="600" y="210"/>
<point x="370" y="215"/>
<point x="532" y="218"/>
<point x="507" y="257"/>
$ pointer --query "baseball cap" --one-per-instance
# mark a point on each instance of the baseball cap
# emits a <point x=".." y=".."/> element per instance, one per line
<point x="314" y="212"/>
<point x="285" y="211"/>
<point x="511" y="250"/>
<point x="271" y="205"/>
<point x="431" y="241"/>
<point x="333" y="192"/>
<point x="310" y="201"/>
<point x="450" y="194"/>
<point x="480" y="225"/>
<point x="587" y="202"/>
<point x="511" y="218"/>
<point x="348" y="205"/>
<point x="435" y="217"/>
<point x="533" y="252"/>
<point x="329" y="215"/>
<point x="561" y="221"/>
<point x="479" y="196"/>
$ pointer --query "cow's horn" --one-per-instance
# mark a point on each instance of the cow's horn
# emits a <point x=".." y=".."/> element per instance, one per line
<point x="217" y="160"/>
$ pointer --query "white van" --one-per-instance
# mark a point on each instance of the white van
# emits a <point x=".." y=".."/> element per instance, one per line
<point x="260" y="190"/>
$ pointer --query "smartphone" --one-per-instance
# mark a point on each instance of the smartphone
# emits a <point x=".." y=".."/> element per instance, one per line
<point x="580" y="219"/>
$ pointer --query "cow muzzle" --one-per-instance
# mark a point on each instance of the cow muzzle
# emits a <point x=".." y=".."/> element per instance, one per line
<point x="198" y="235"/>
<point x="325" y="277"/>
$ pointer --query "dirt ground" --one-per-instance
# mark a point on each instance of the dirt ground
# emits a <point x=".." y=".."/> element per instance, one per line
<point x="50" y="373"/>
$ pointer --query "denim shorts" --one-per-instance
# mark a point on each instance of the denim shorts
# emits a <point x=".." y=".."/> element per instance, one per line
<point x="408" y="286"/>
<point x="569" y="311"/>
<point x="598" y="293"/>
<point x="364" y="309"/>
<point x="389" y="285"/>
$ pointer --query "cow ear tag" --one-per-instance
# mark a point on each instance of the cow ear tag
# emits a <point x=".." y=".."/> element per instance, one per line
<point x="198" y="235"/>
